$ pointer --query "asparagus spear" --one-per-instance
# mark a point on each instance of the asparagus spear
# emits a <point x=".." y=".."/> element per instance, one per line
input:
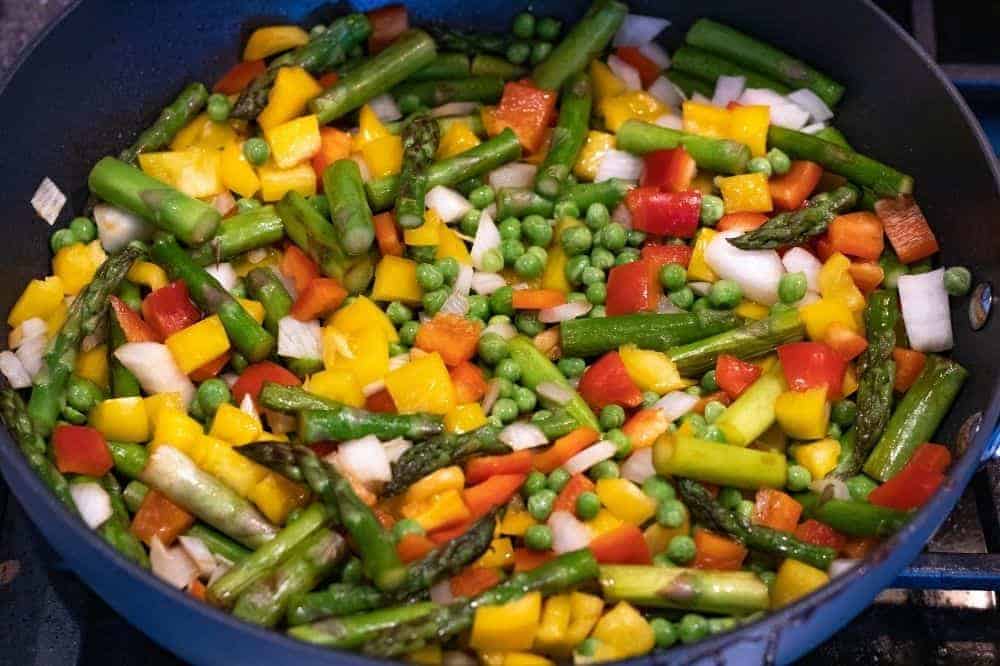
<point x="607" y="192"/>
<point x="420" y="142"/>
<point x="218" y="543"/>
<point x="227" y="588"/>
<point x="253" y="229"/>
<point x="265" y="287"/>
<point x="726" y="592"/>
<point x="338" y="600"/>
<point x="521" y="202"/>
<point x="754" y="339"/>
<point x="488" y="155"/>
<point x="352" y="218"/>
<point x="444" y="66"/>
<point x="355" y="630"/>
<point x="115" y="529"/>
<point x="33" y="447"/>
<point x="441" y="451"/>
<point x="795" y="227"/>
<point x="311" y="561"/>
<point x="592" y="336"/>
<point x="314" y="235"/>
<point x="323" y="52"/>
<point x="758" y="537"/>
<point x="876" y="371"/>
<point x="488" y="65"/>
<point x="568" y="137"/>
<point x="690" y="85"/>
<point x="134" y="495"/>
<point x="709" y="67"/>
<point x="171" y="120"/>
<point x="469" y="42"/>
<point x="86" y="314"/>
<point x="173" y="474"/>
<point x="127" y="187"/>
<point x="536" y="369"/>
<point x="720" y="155"/>
<point x="473" y="121"/>
<point x="757" y="55"/>
<point x="123" y="382"/>
<point x="485" y="89"/>
<point x="584" y="42"/>
<point x="916" y="417"/>
<point x="713" y="462"/>
<point x="855" y="167"/>
<point x="130" y="459"/>
<point x="411" y="52"/>
<point x="858" y="519"/>
<point x="247" y="335"/>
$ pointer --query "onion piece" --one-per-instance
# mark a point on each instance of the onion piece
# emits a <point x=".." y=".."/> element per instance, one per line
<point x="638" y="29"/>
<point x="554" y="393"/>
<point x="230" y="378"/>
<point x="675" y="404"/>
<point x="491" y="395"/>
<point x="783" y="112"/>
<point x="48" y="201"/>
<point x="456" y="304"/>
<point x="564" y="312"/>
<point x="116" y="227"/>
<point x="394" y="448"/>
<point x="155" y="368"/>
<point x="639" y="466"/>
<point x="222" y="566"/>
<point x="487" y="238"/>
<point x="664" y="90"/>
<point x="618" y="164"/>
<point x="224" y="202"/>
<point x="365" y="459"/>
<point x="457" y="658"/>
<point x="813" y="129"/>
<point x="441" y="592"/>
<point x="810" y="101"/>
<point x="728" y="89"/>
<point x="926" y="313"/>
<point x="568" y="533"/>
<point x="171" y="565"/>
<point x="278" y="422"/>
<point x="398" y="361"/>
<point x="486" y="283"/>
<point x="225" y="274"/>
<point x="515" y="174"/>
<point x="92" y="501"/>
<point x="463" y="281"/>
<point x="656" y="53"/>
<point x="626" y="72"/>
<point x="299" y="339"/>
<point x="505" y="330"/>
<point x="371" y="388"/>
<point x="522" y="435"/>
<point x="447" y="203"/>
<point x="799" y="260"/>
<point x="622" y="216"/>
<point x="15" y="372"/>
<point x="30" y="353"/>
<point x="454" y="109"/>
<point x="385" y="108"/>
<point x="842" y="565"/>
<point x="199" y="553"/>
<point x="248" y="407"/>
<point x="756" y="271"/>
<point x="701" y="99"/>
<point x="29" y="328"/>
<point x="830" y="489"/>
<point x="590" y="456"/>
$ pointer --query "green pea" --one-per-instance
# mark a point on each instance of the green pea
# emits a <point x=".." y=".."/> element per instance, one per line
<point x="576" y="240"/>
<point x="533" y="484"/>
<point x="540" y="51"/>
<point x="538" y="537"/>
<point x="479" y="307"/>
<point x="718" y="625"/>
<point x="395" y="349"/>
<point x="548" y="28"/>
<point x="613" y="237"/>
<point x="433" y="300"/>
<point x="506" y="387"/>
<point x="708" y="382"/>
<point x="469" y="224"/>
<point x="405" y="527"/>
<point x="572" y="367"/>
<point x="792" y="287"/>
<point x="524" y="25"/>
<point x="501" y="301"/>
<point x="682" y="298"/>
<point x="597" y="216"/>
<point x="712" y="210"/>
<point x="692" y="628"/>
<point x="798" y="479"/>
<point x="729" y="497"/>
<point x="661" y="560"/>
<point x="398" y="313"/>
<point x="558" y="478"/>
<point x="218" y="108"/>
<point x="649" y="398"/>
<point x="606" y="469"/>
<point x="659" y="489"/>
<point x="713" y="410"/>
<point x="833" y="431"/>
<point x="566" y="209"/>
<point x="508" y="368"/>
<point x="725" y="294"/>
<point x="612" y="416"/>
<point x="780" y="162"/>
<point x="428" y="277"/>
<point x="681" y="549"/>
<point x="780" y="308"/>
<point x="636" y="238"/>
<point x="602" y="258"/>
<point x="256" y="150"/>
<point x="511" y="249"/>
<point x="844" y="412"/>
<point x="243" y="204"/>
<point x="62" y="238"/>
<point x="482" y="196"/>
<point x="493" y="261"/>
<point x="505" y="409"/>
<point x="352" y="572"/>
<point x="860" y="486"/>
<point x="212" y="394"/>
<point x="591" y="275"/>
<point x="671" y="513"/>
<point x="525" y="398"/>
<point x="664" y="632"/>
<point x="448" y="267"/>
<point x="673" y="276"/>
<point x="695" y="391"/>
<point x="510" y="229"/>
<point x="588" y="647"/>
<point x="760" y="165"/>
<point x="499" y="319"/>
<point x="519" y="52"/>
<point x="540" y="504"/>
<point x="529" y="266"/>
<point x="576" y="297"/>
<point x="588" y="505"/>
<point x="408" y="333"/>
<point x="714" y="434"/>
<point x="958" y="280"/>
<point x="744" y="510"/>
<point x="597" y="312"/>
<point x="597" y="293"/>
<point x="83" y="229"/>
<point x="527" y="322"/>
<point x="539" y="252"/>
<point x="536" y="230"/>
<point x="83" y="394"/>
<point x="492" y="348"/>
<point x="627" y="256"/>
<point x="74" y="416"/>
<point x="240" y="362"/>
<point x="575" y="267"/>
<point x="700" y="304"/>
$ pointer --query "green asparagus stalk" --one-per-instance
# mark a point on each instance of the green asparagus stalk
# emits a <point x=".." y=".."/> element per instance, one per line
<point x="521" y="202"/>
<point x="352" y="218"/>
<point x="834" y="135"/>
<point x="227" y="588"/>
<point x="756" y="338"/>
<point x="488" y="65"/>
<point x="355" y="630"/>
<point x="171" y="120"/>
<point x="721" y="155"/>
<point x="916" y="417"/>
<point x="218" y="543"/>
<point x="568" y="137"/>
<point x="265" y="288"/>
<point x="323" y="53"/>
<point x="488" y="155"/>
<point x="710" y="67"/>
<point x="726" y="592"/>
<point x="411" y="52"/>
<point x="134" y="494"/>
<point x="87" y="313"/>
<point x="757" y="55"/>
<point x="469" y="42"/>
<point x="855" y="167"/>
<point x="609" y="193"/>
<point x="757" y="537"/>
<point x="127" y="187"/>
<point x="484" y="89"/>
<point x="584" y="42"/>
<point x="752" y="413"/>
<point x="725" y="464"/>
<point x="473" y="121"/>
<point x="444" y="66"/>
<point x="338" y="600"/>
<point x="420" y="460"/>
<point x="420" y="143"/>
<point x="130" y="459"/>
<point x="123" y="382"/>
<point x="176" y="476"/>
<point x="592" y="336"/>
<point x="690" y="84"/>
<point x="795" y="227"/>
<point x="256" y="228"/>
<point x="246" y="334"/>
<point x="858" y="519"/>
<point x="115" y="530"/>
<point x="314" y="235"/>
<point x="536" y="369"/>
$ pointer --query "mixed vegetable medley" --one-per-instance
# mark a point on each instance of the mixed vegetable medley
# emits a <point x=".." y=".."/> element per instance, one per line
<point x="530" y="346"/>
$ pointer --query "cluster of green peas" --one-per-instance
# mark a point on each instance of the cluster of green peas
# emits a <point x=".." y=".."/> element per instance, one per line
<point x="526" y="27"/>
<point x="80" y="230"/>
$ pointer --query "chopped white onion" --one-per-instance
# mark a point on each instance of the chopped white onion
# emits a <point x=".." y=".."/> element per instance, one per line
<point x="830" y="489"/>
<point x="230" y="378"/>
<point x="783" y="112"/>
<point x="626" y="72"/>
<point x="29" y="328"/>
<point x="656" y="53"/>
<point x="491" y="210"/>
<point x="664" y="90"/>
<point x="454" y="109"/>
<point x="486" y="283"/>
<point x="522" y="435"/>
<point x="394" y="448"/>
<point x="15" y="372"/>
<point x="568" y="533"/>
<point x="799" y="260"/>
<point x="365" y="459"/>
<point x="590" y="456"/>
<point x="670" y="120"/>
<point x="564" y="312"/>
<point x="371" y="388"/>
<point x="756" y="271"/>
<point x="926" y="314"/>
<point x="813" y="129"/>
<point x="554" y="393"/>
<point x="225" y="274"/>
<point x="700" y="288"/>
<point x="171" y="565"/>
<point x="638" y="29"/>
<point x="675" y="404"/>
<point x="463" y="281"/>
<point x="299" y="339"/>
<point x="248" y="407"/>
<point x="117" y="227"/>
<point x="728" y="89"/>
<point x="199" y="553"/>
<point x="618" y="164"/>
<point x="385" y="108"/>
<point x="447" y="203"/>
<point x="505" y="330"/>
<point x="92" y="502"/>
<point x="639" y="466"/>
<point x="514" y="174"/>
<point x="441" y="592"/>
<point x="841" y="566"/>
<point x="701" y="99"/>
<point x="30" y="353"/>
<point x="622" y="216"/>
<point x="48" y="201"/>
<point x="155" y="368"/>
<point x="491" y="395"/>
<point x="810" y="101"/>
<point x="224" y="202"/>
<point x="487" y="238"/>
<point x="456" y="304"/>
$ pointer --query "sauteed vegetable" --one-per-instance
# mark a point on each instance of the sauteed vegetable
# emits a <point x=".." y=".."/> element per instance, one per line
<point x="536" y="346"/>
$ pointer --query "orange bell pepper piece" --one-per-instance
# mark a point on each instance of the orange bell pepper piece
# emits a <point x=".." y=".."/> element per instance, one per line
<point x="387" y="234"/>
<point x="909" y="365"/>
<point x="413" y="547"/>
<point x="713" y="551"/>
<point x="905" y="225"/>
<point x="537" y="299"/>
<point x="776" y="510"/>
<point x="158" y="516"/>
<point x="741" y="222"/>
<point x="239" y="77"/>
<point x="565" y="448"/>
<point x="333" y="144"/>
<point x="576" y="486"/>
<point x="857" y="235"/>
<point x="788" y="192"/>
<point x="469" y="383"/>
<point x="494" y="491"/>
<point x="644" y="427"/>
<point x="623" y="545"/>
<point x="526" y="560"/>
<point x="527" y="110"/>
<point x="321" y="296"/>
<point x="299" y="267"/>
<point x="867" y="275"/>
<point x="210" y="369"/>
<point x="844" y="341"/>
<point x="455" y="338"/>
<point x="473" y="580"/>
<point x="482" y="468"/>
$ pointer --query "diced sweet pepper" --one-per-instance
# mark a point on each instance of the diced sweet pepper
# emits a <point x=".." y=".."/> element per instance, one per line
<point x="626" y="500"/>
<point x="428" y="233"/>
<point x="593" y="151"/>
<point x="365" y="354"/>
<point x="458" y="138"/>
<point x="551" y="636"/>
<point x="450" y="245"/>
<point x="602" y="523"/>
<point x="748" y="125"/>
<point x="294" y="141"/>
<point x="651" y="370"/>
<point x="384" y="156"/>
<point x="93" y="365"/>
<point x="396" y="280"/>
<point x="161" y="401"/>
<point x="605" y="83"/>
<point x="75" y="265"/>
<point x="148" y="274"/>
<point x="820" y="315"/>
<point x="198" y="344"/>
<point x="422" y="385"/>
<point x="266" y="41"/>
<point x="446" y="478"/>
<point x="698" y="268"/>
<point x="370" y="128"/>
<point x="237" y="173"/>
<point x="835" y="283"/>
<point x="794" y="581"/>
<point x="195" y="171"/>
<point x="499" y="556"/>
<point x="516" y="523"/>
<point x="276" y="497"/>
<point x="585" y="611"/>
<point x="254" y="308"/>
<point x="121" y="419"/>
<point x="203" y="132"/>
<point x="39" y="299"/>
<point x="336" y="385"/>
<point x="820" y="458"/>
<point x="442" y="510"/>
<point x="705" y="119"/>
<point x="173" y="427"/>
<point x="362" y="314"/>
<point x="626" y="630"/>
<point x="746" y="193"/>
<point x="803" y="414"/>
<point x="292" y="90"/>
<point x="276" y="182"/>
<point x="235" y="426"/>
<point x="511" y="626"/>
<point x="463" y="418"/>
<point x="632" y="105"/>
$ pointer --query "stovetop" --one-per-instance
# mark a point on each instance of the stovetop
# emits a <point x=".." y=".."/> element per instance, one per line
<point x="48" y="617"/>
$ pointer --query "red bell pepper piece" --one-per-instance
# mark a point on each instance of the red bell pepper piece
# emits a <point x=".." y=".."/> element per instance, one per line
<point x="527" y="110"/>
<point x="822" y="247"/>
<point x="132" y="324"/>
<point x="320" y="297"/>
<point x="648" y="70"/>
<point x="469" y="382"/>
<point x="494" y="491"/>
<point x="565" y="448"/>
<point x="387" y="23"/>
<point x="622" y="545"/>
<point x="81" y="450"/>
<point x="333" y="144"/>
<point x="576" y="486"/>
<point x="790" y="191"/>
<point x="413" y="547"/>
<point x="169" y="309"/>
<point x="821" y="534"/>
<point x="380" y="402"/>
<point x="473" y="581"/>
<point x="606" y="382"/>
<point x="741" y="222"/>
<point x="775" y="509"/>
<point x="810" y="365"/>
<point x="252" y="379"/>
<point x="734" y="376"/>
<point x="239" y="77"/>
<point x="633" y="287"/>
<point x="644" y="427"/>
<point x="857" y="234"/>
<point x="917" y="482"/>
<point x="323" y="448"/>
<point x="844" y="341"/>
<point x="713" y="551"/>
<point x="909" y="365"/>
<point x="446" y="534"/>
<point x="296" y="265"/>
<point x="669" y="170"/>
<point x="158" y="516"/>
<point x="482" y="468"/>
<point x="669" y="253"/>
<point x="664" y="213"/>
<point x="210" y="369"/>
<point x="907" y="229"/>
<point x="526" y="560"/>
<point x="387" y="234"/>
<point x="326" y="81"/>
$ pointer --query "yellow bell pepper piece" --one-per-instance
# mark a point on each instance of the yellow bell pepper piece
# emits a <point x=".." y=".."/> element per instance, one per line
<point x="75" y="265"/>
<point x="384" y="156"/>
<point x="463" y="418"/>
<point x="233" y="469"/>
<point x="510" y="626"/>
<point x="430" y="655"/>
<point x="370" y="128"/>
<point x="751" y="310"/>
<point x="658" y="537"/>
<point x="746" y="193"/>
<point x="603" y="522"/>
<point x="294" y="141"/>
<point x="265" y="42"/>
<point x="458" y="138"/>
<point x="820" y="458"/>
<point x="450" y="245"/>
<point x="626" y="630"/>
<point x="604" y="81"/>
<point x="55" y="320"/>
<point x="276" y="497"/>
<point x="698" y="268"/>
<point x="254" y="308"/>
<point x="835" y="283"/>
<point x="235" y="426"/>
<point x="794" y="581"/>
<point x="748" y="125"/>
<point x="147" y="274"/>
<point x="161" y="401"/>
<point x="820" y="315"/>
<point x="446" y="478"/>
<point x="516" y="523"/>
<point x="396" y="280"/>
<point x="271" y="258"/>
<point x="236" y="172"/>
<point x="292" y="90"/>
<point x="173" y="427"/>
<point x="121" y="419"/>
<point x="626" y="500"/>
<point x="428" y="233"/>
<point x="198" y="344"/>
<point x="39" y="299"/>
<point x="499" y="556"/>
<point x="803" y="414"/>
<point x="585" y="611"/>
<point x="336" y="385"/>
<point x="276" y="182"/>
<point x="556" y="614"/>
<point x="441" y="510"/>
<point x="195" y="171"/>
<point x="362" y="315"/>
<point x="422" y="385"/>
<point x="651" y="370"/>
<point x="368" y="359"/>
<point x="203" y="132"/>
<point x="850" y="380"/>
<point x="596" y="145"/>
<point x="554" y="275"/>
<point x="517" y="659"/>
<point x="632" y="105"/>
<point x="93" y="365"/>
<point x="705" y="119"/>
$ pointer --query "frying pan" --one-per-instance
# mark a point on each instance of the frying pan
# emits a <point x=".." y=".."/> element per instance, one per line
<point x="104" y="70"/>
